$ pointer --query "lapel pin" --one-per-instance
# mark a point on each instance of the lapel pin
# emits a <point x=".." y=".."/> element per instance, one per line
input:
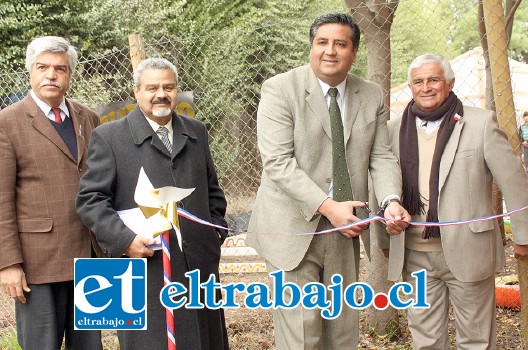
<point x="458" y="117"/>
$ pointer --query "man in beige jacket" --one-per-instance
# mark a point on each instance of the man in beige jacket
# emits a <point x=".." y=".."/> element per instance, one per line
<point x="449" y="155"/>
<point x="297" y="192"/>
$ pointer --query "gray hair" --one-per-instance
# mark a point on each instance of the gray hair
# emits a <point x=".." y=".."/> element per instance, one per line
<point x="50" y="44"/>
<point x="153" y="63"/>
<point x="440" y="60"/>
<point x="337" y="18"/>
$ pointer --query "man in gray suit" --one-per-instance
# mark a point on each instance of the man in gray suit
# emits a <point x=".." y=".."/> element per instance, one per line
<point x="297" y="195"/>
<point x="174" y="151"/>
<point x="449" y="155"/>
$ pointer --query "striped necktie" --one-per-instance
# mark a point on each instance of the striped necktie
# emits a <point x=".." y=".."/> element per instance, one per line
<point x="164" y="133"/>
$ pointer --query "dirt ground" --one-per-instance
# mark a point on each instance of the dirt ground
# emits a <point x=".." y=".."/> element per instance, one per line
<point x="253" y="329"/>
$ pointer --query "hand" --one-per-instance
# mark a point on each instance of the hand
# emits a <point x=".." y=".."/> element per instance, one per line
<point x="138" y="249"/>
<point x="520" y="251"/>
<point x="341" y="214"/>
<point x="398" y="218"/>
<point x="525" y="144"/>
<point x="386" y="252"/>
<point x="13" y="280"/>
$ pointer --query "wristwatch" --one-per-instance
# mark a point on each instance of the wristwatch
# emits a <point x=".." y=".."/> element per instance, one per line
<point x="384" y="206"/>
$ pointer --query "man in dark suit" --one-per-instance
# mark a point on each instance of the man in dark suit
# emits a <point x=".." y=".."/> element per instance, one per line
<point x="43" y="141"/>
<point x="116" y="154"/>
<point x="301" y="190"/>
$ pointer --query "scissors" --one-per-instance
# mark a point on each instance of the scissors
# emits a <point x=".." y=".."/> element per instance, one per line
<point x="371" y="213"/>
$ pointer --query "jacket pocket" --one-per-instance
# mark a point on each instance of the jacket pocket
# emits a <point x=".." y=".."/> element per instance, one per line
<point x="466" y="153"/>
<point x="43" y="225"/>
<point x="482" y="226"/>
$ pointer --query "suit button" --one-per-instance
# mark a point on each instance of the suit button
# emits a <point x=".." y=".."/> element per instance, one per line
<point x="173" y="165"/>
<point x="328" y="180"/>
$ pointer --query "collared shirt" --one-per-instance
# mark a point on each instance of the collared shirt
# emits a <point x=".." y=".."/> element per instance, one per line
<point x="46" y="109"/>
<point x="340" y="98"/>
<point x="155" y="127"/>
<point x="428" y="126"/>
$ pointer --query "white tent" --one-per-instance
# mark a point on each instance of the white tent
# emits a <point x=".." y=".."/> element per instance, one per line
<point x="470" y="84"/>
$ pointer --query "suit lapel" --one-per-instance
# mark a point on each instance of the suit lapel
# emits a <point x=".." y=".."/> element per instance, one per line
<point x="141" y="130"/>
<point x="317" y="103"/>
<point x="449" y="154"/>
<point x="80" y="127"/>
<point x="394" y="136"/>
<point x="42" y="124"/>
<point x="182" y="134"/>
<point x="352" y="104"/>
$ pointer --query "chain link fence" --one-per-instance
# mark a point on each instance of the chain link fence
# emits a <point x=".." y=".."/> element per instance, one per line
<point x="224" y="73"/>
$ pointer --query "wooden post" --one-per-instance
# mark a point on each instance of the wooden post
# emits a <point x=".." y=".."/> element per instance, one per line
<point x="503" y="95"/>
<point x="137" y="49"/>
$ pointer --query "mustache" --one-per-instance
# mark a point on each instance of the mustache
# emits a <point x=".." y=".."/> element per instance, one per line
<point x="49" y="82"/>
<point x="163" y="100"/>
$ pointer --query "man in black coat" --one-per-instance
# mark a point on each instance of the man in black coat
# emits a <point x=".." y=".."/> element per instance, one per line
<point x="117" y="152"/>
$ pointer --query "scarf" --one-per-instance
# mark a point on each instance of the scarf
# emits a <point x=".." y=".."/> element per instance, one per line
<point x="409" y="157"/>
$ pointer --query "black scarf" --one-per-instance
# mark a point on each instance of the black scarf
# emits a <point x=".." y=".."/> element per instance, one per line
<point x="409" y="157"/>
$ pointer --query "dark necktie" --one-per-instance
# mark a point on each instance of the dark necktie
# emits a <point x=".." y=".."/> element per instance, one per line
<point x="164" y="133"/>
<point x="342" y="188"/>
<point x="56" y="111"/>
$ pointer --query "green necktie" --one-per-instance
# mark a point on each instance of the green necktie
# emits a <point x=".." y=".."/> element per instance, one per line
<point x="342" y="188"/>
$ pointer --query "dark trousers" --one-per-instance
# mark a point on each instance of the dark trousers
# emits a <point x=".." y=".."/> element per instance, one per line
<point x="47" y="317"/>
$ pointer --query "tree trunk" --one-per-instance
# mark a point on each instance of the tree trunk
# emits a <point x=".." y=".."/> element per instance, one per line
<point x="374" y="18"/>
<point x="509" y="9"/>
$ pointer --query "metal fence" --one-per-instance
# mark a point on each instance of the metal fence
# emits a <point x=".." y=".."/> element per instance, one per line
<point x="226" y="87"/>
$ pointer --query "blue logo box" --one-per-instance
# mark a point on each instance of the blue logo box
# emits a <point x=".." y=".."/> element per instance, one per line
<point x="110" y="294"/>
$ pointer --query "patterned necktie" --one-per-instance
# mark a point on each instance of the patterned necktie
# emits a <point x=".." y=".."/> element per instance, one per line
<point x="164" y="133"/>
<point x="342" y="188"/>
<point x="56" y="111"/>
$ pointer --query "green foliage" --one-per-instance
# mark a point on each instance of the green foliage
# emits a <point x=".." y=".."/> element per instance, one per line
<point x="93" y="26"/>
<point x="225" y="51"/>
<point x="100" y="89"/>
<point x="22" y="21"/>
<point x="422" y="26"/>
<point x="9" y="341"/>
<point x="15" y="33"/>
<point x="445" y="27"/>
<point x="519" y="38"/>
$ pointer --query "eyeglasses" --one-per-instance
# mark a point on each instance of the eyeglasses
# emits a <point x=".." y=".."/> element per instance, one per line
<point x="430" y="81"/>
